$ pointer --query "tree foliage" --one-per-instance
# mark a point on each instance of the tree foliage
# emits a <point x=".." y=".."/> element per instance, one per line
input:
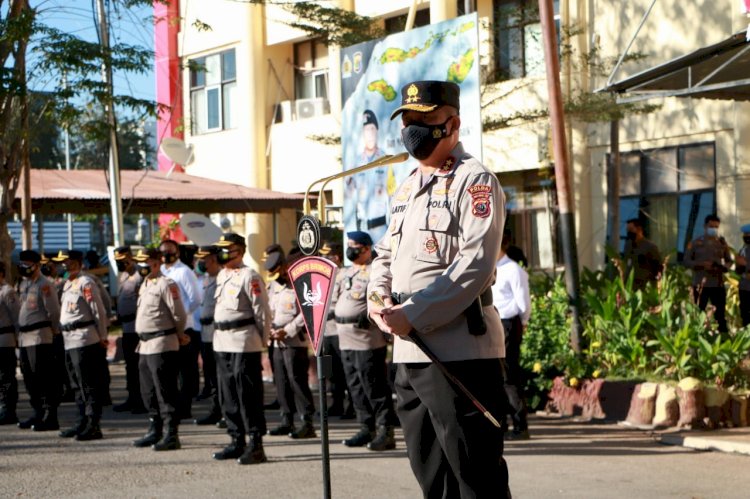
<point x="334" y="26"/>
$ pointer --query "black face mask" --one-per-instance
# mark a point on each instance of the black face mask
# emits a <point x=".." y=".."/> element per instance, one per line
<point x="631" y="236"/>
<point x="121" y="266"/>
<point x="201" y="266"/>
<point x="225" y="255"/>
<point x="45" y="270"/>
<point x="353" y="253"/>
<point x="421" y="140"/>
<point x="746" y="239"/>
<point x="25" y="270"/>
<point x="143" y="269"/>
<point x="169" y="257"/>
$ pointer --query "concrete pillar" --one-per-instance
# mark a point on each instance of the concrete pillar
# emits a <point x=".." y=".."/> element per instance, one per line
<point x="442" y="10"/>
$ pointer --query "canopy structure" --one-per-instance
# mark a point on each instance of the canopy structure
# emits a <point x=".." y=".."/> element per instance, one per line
<point x="149" y="191"/>
<point x="719" y="71"/>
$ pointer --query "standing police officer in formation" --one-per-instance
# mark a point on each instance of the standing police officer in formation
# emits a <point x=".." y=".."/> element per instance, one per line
<point x="129" y="282"/>
<point x="363" y="349"/>
<point x="38" y="321"/>
<point x="241" y="320"/>
<point x="9" y="309"/>
<point x="83" y="322"/>
<point x="208" y="265"/>
<point x="709" y="257"/>
<point x="290" y="357"/>
<point x="190" y="296"/>
<point x="160" y="322"/>
<point x="434" y="269"/>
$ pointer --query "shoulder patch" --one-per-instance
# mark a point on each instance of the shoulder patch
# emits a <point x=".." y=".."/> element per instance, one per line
<point x="87" y="293"/>
<point x="480" y="200"/>
<point x="174" y="291"/>
<point x="46" y="290"/>
<point x="255" y="286"/>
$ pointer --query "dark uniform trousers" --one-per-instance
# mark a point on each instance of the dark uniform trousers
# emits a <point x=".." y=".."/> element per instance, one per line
<point x="367" y="379"/>
<point x="84" y="369"/>
<point x="158" y="374"/>
<point x="718" y="298"/>
<point x="454" y="451"/>
<point x="210" y="383"/>
<point x="132" y="378"/>
<point x="189" y="376"/>
<point x="513" y="374"/>
<point x="240" y="377"/>
<point x="745" y="307"/>
<point x="337" y="382"/>
<point x="61" y="365"/>
<point x="292" y="388"/>
<point x="38" y="369"/>
<point x="8" y="383"/>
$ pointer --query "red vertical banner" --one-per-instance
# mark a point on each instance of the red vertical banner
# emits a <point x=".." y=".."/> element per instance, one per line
<point x="313" y="279"/>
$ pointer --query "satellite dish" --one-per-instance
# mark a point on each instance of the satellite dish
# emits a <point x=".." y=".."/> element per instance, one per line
<point x="199" y="229"/>
<point x="177" y="151"/>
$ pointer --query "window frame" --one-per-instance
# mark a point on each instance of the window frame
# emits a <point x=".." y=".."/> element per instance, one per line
<point x="198" y="84"/>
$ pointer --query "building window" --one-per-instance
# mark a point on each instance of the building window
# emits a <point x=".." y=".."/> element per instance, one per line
<point x="213" y="85"/>
<point x="671" y="189"/>
<point x="310" y="70"/>
<point x="397" y="24"/>
<point x="518" y="38"/>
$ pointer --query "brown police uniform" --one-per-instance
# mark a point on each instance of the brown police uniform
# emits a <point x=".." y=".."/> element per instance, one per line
<point x="437" y="258"/>
<point x="10" y="306"/>
<point x="38" y="320"/>
<point x="127" y="305"/>
<point x="241" y="320"/>
<point x="290" y="357"/>
<point x="708" y="280"/>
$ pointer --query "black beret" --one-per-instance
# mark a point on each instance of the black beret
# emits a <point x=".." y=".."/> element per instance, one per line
<point x="369" y="118"/>
<point x="360" y="237"/>
<point x="230" y="238"/>
<point x="273" y="248"/>
<point x="426" y="96"/>
<point x="273" y="261"/>
<point x="30" y="256"/>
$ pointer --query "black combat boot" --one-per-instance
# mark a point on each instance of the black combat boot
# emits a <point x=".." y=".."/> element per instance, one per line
<point x="305" y="431"/>
<point x="28" y="423"/>
<point x="213" y="417"/>
<point x="76" y="428"/>
<point x="285" y="428"/>
<point x="152" y="436"/>
<point x="92" y="431"/>
<point x="383" y="440"/>
<point x="233" y="450"/>
<point x="171" y="440"/>
<point x="362" y="438"/>
<point x="254" y="453"/>
<point x="49" y="423"/>
<point x="8" y="415"/>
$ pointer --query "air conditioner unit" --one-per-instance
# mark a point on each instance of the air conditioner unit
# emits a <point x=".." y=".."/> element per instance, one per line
<point x="283" y="111"/>
<point x="309" y="108"/>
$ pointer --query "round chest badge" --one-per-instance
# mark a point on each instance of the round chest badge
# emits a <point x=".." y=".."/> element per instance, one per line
<point x="431" y="245"/>
<point x="308" y="235"/>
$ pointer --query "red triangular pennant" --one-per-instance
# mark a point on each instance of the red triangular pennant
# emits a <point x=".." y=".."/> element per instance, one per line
<point x="313" y="278"/>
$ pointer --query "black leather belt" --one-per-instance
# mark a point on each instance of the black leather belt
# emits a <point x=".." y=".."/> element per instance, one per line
<point x="485" y="298"/>
<point x="331" y="316"/>
<point x="347" y="320"/>
<point x="7" y="329"/>
<point x="473" y="313"/>
<point x="376" y="222"/>
<point x="156" y="334"/>
<point x="126" y="318"/>
<point x="206" y="321"/>
<point x="76" y="325"/>
<point x="226" y="325"/>
<point x="34" y="327"/>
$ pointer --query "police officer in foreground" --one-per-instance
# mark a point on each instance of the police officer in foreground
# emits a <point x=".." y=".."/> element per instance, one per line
<point x="743" y="269"/>
<point x="9" y="308"/>
<point x="241" y="320"/>
<point x="709" y="257"/>
<point x="83" y="322"/>
<point x="160" y="322"/>
<point x="209" y="267"/>
<point x="433" y="270"/>
<point x="364" y="350"/>
<point x="38" y="321"/>
<point x="129" y="282"/>
<point x="290" y="357"/>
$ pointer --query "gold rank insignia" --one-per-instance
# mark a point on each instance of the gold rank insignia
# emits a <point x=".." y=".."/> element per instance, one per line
<point x="437" y="133"/>
<point x="413" y="93"/>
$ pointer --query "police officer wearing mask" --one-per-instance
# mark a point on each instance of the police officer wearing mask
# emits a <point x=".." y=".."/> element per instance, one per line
<point x="241" y="320"/>
<point x="208" y="266"/>
<point x="160" y="322"/>
<point x="83" y="322"/>
<point x="190" y="295"/>
<point x="9" y="309"/>
<point x="129" y="282"/>
<point x="709" y="257"/>
<point x="38" y="321"/>
<point x="290" y="358"/>
<point x="743" y="269"/>
<point x="434" y="270"/>
<point x="363" y="349"/>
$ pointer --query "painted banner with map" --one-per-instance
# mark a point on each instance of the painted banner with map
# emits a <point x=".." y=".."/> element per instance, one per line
<point x="372" y="75"/>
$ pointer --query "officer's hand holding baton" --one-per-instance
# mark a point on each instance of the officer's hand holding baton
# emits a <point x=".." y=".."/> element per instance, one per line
<point x="392" y="317"/>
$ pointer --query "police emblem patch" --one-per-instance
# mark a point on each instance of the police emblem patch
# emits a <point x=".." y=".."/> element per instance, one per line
<point x="480" y="200"/>
<point x="308" y="235"/>
<point x="431" y="245"/>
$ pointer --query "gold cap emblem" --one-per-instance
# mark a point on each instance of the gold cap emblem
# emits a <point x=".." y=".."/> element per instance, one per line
<point x="413" y="93"/>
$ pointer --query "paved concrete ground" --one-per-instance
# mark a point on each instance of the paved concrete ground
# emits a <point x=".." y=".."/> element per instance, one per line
<point x="563" y="459"/>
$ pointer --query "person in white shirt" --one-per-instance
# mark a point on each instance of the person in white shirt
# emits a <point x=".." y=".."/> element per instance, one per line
<point x="510" y="293"/>
<point x="191" y="296"/>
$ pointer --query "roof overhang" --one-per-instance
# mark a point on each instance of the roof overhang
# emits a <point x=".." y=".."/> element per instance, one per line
<point x="719" y="71"/>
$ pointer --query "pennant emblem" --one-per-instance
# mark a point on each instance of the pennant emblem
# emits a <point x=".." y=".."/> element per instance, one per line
<point x="313" y="279"/>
